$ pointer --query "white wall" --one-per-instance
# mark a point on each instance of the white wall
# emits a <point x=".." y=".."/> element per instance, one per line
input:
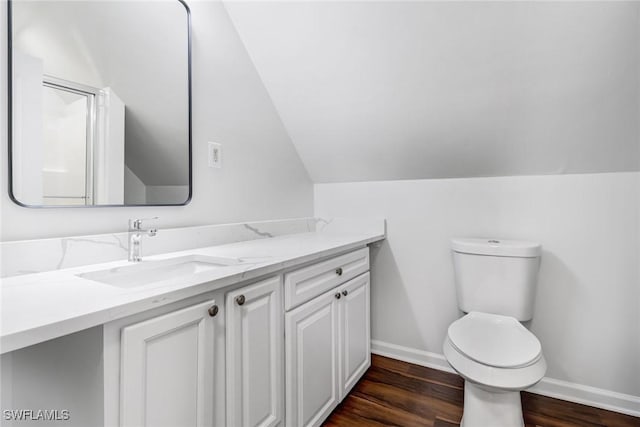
<point x="435" y="89"/>
<point x="135" y="192"/>
<point x="50" y="376"/>
<point x="262" y="178"/>
<point x="108" y="174"/>
<point x="28" y="129"/>
<point x="166" y="193"/>
<point x="587" y="313"/>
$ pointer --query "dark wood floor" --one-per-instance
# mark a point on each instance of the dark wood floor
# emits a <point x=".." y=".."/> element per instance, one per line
<point x="395" y="393"/>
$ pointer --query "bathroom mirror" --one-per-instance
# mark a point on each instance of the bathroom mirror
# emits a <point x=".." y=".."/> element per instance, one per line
<point x="99" y="103"/>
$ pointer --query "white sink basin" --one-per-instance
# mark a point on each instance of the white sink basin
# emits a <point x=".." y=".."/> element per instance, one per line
<point x="149" y="272"/>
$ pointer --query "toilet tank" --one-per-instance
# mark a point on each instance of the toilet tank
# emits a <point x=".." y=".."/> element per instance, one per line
<point x="496" y="276"/>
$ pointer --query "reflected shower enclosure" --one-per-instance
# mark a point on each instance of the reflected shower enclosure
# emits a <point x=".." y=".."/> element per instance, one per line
<point x="68" y="120"/>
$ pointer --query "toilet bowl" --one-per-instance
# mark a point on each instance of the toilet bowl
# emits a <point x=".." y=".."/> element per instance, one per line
<point x="498" y="357"/>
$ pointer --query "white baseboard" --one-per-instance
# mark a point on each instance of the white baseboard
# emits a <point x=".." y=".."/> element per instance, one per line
<point x="587" y="395"/>
<point x="411" y="355"/>
<point x="572" y="392"/>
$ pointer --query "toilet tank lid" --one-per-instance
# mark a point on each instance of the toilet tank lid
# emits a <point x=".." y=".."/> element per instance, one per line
<point x="497" y="247"/>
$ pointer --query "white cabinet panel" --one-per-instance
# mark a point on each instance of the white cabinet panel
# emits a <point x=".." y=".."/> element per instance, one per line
<point x="312" y="390"/>
<point x="167" y="369"/>
<point x="328" y="349"/>
<point x="255" y="355"/>
<point x="309" y="282"/>
<point x="355" y="332"/>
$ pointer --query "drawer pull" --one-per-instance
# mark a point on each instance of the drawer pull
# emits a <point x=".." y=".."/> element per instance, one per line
<point x="240" y="300"/>
<point x="345" y="292"/>
<point x="337" y="295"/>
<point x="339" y="271"/>
<point x="213" y="310"/>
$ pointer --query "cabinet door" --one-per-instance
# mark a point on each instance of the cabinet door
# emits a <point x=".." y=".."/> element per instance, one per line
<point x="311" y="355"/>
<point x="354" y="332"/>
<point x="255" y="355"/>
<point x="167" y="369"/>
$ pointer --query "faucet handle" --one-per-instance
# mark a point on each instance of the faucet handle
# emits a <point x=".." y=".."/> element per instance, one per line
<point x="136" y="224"/>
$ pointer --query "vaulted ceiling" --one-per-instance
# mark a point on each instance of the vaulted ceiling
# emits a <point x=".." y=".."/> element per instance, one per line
<point x="410" y="90"/>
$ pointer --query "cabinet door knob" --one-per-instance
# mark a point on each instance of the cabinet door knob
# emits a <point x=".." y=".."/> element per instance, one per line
<point x="240" y="299"/>
<point x="337" y="295"/>
<point x="339" y="271"/>
<point x="345" y="292"/>
<point x="213" y="310"/>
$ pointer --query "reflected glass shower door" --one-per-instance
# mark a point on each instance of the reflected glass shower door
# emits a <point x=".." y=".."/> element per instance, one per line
<point x="69" y="117"/>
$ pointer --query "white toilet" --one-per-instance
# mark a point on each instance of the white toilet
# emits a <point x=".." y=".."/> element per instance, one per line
<point x="489" y="347"/>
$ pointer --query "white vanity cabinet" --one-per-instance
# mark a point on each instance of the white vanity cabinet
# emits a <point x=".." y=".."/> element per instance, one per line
<point x="281" y="350"/>
<point x="255" y="361"/>
<point x="167" y="368"/>
<point x="354" y="332"/>
<point x="327" y="346"/>
<point x="215" y="362"/>
<point x="312" y="361"/>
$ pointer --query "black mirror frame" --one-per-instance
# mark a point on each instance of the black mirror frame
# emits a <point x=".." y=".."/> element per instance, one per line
<point x="10" y="122"/>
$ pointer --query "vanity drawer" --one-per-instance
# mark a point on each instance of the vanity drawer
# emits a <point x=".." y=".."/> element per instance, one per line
<point x="308" y="282"/>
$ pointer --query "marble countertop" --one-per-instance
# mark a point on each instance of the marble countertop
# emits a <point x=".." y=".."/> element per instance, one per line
<point x="41" y="306"/>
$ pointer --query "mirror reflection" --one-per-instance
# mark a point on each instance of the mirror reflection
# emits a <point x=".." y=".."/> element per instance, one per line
<point x="100" y="103"/>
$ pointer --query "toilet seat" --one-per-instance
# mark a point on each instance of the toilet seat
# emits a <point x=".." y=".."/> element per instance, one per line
<point x="494" y="351"/>
<point x="494" y="340"/>
<point x="504" y="379"/>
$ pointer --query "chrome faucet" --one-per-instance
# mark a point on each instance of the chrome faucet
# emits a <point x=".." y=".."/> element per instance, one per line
<point x="136" y="231"/>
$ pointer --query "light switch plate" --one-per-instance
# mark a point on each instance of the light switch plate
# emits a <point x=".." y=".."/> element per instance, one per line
<point x="215" y="155"/>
